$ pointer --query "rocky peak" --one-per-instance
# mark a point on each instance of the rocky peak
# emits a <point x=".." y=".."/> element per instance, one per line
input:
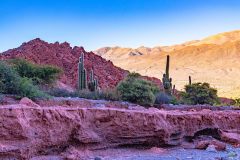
<point x="66" y="57"/>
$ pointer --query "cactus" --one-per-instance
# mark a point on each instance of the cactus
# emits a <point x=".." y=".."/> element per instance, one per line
<point x="96" y="84"/>
<point x="190" y="80"/>
<point x="173" y="90"/>
<point x="93" y="84"/>
<point x="82" y="72"/>
<point x="167" y="82"/>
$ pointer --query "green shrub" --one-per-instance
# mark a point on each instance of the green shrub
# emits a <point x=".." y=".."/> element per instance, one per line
<point x="199" y="93"/>
<point x="58" y="92"/>
<point x="136" y="90"/>
<point x="9" y="79"/>
<point x="27" y="89"/>
<point x="12" y="83"/>
<point x="134" y="75"/>
<point x="174" y="101"/>
<point x="163" y="98"/>
<point x="39" y="74"/>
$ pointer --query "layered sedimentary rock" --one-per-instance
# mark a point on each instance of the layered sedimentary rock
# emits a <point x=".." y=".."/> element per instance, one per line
<point x="28" y="130"/>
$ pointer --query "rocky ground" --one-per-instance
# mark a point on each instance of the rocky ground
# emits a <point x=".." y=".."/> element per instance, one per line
<point x="74" y="128"/>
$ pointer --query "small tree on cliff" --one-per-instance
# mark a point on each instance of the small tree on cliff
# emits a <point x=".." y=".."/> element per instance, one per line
<point x="136" y="90"/>
<point x="199" y="93"/>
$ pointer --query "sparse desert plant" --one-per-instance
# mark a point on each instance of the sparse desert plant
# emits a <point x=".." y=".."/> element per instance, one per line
<point x="59" y="92"/>
<point x="40" y="74"/>
<point x="108" y="94"/>
<point x="137" y="90"/>
<point x="88" y="94"/>
<point x="199" y="93"/>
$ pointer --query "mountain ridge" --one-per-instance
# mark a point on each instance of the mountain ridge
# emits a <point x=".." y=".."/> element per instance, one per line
<point x="66" y="57"/>
<point x="212" y="59"/>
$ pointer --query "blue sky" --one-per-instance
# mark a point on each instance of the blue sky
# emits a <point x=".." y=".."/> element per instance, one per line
<point x="128" y="23"/>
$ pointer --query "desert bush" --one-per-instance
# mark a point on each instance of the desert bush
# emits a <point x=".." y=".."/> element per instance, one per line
<point x="199" y="93"/>
<point x="27" y="89"/>
<point x="59" y="92"/>
<point x="109" y="94"/>
<point x="89" y="95"/>
<point x="45" y="74"/>
<point x="137" y="90"/>
<point x="9" y="79"/>
<point x="133" y="75"/>
<point x="163" y="98"/>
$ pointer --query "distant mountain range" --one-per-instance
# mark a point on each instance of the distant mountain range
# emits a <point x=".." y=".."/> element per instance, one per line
<point x="214" y="59"/>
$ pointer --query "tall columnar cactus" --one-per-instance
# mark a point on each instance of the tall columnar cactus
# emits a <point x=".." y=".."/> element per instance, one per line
<point x="167" y="81"/>
<point x="190" y="80"/>
<point x="93" y="84"/>
<point x="173" y="90"/>
<point x="82" y="74"/>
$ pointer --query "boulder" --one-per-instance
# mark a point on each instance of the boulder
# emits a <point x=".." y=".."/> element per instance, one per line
<point x="230" y="136"/>
<point x="28" y="102"/>
<point x="209" y="144"/>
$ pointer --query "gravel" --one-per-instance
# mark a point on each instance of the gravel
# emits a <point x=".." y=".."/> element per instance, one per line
<point x="231" y="153"/>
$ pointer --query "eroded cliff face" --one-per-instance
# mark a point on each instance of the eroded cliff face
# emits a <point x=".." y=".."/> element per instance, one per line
<point x="62" y="126"/>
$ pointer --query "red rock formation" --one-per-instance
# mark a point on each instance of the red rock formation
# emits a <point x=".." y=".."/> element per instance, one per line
<point x="27" y="131"/>
<point x="66" y="57"/>
<point x="219" y="146"/>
